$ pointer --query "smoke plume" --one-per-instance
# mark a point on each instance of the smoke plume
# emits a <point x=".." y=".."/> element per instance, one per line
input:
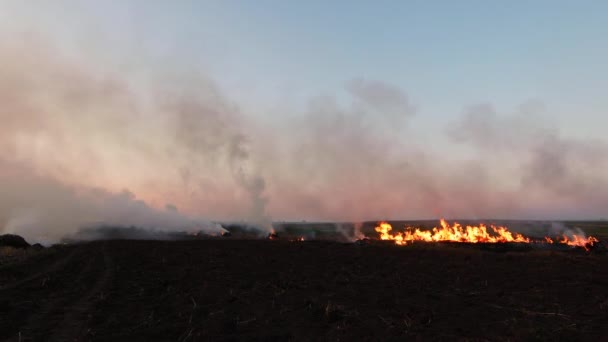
<point x="76" y="132"/>
<point x="43" y="209"/>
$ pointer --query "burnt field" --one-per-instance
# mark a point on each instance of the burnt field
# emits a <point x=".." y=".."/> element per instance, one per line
<point x="261" y="290"/>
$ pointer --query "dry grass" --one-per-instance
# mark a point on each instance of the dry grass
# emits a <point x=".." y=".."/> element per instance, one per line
<point x="8" y="253"/>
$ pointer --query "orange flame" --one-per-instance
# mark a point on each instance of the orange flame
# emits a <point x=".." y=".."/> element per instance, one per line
<point x="273" y="235"/>
<point x="471" y="234"/>
<point x="579" y="241"/>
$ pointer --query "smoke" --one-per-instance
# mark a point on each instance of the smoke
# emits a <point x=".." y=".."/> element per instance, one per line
<point x="559" y="229"/>
<point x="254" y="184"/>
<point x="565" y="173"/>
<point x="76" y="132"/>
<point x="340" y="161"/>
<point x="210" y="132"/>
<point x="350" y="232"/>
<point x="73" y="137"/>
<point x="43" y="209"/>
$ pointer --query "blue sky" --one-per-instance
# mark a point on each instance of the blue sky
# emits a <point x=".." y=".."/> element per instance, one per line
<point x="445" y="54"/>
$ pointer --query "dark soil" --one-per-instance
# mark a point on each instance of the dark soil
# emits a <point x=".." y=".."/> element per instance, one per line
<point x="233" y="290"/>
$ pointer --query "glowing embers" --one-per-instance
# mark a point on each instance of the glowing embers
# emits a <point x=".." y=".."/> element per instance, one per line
<point x="273" y="235"/>
<point x="473" y="234"/>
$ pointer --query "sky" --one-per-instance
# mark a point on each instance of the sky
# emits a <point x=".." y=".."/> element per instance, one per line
<point x="272" y="110"/>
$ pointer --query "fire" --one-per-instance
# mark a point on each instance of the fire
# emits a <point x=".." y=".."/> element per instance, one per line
<point x="578" y="241"/>
<point x="455" y="233"/>
<point x="471" y="234"/>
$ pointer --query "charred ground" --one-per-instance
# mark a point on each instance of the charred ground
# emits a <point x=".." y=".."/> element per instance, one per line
<point x="232" y="289"/>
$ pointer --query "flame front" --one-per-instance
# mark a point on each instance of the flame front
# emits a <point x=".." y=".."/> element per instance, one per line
<point x="578" y="241"/>
<point x="454" y="233"/>
<point x="472" y="234"/>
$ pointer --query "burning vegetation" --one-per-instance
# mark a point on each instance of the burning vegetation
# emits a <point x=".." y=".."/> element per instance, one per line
<point x="474" y="234"/>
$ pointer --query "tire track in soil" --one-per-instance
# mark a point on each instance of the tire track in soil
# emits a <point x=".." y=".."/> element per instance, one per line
<point x="64" y="316"/>
<point x="74" y="326"/>
<point x="56" y="266"/>
<point x="43" y="319"/>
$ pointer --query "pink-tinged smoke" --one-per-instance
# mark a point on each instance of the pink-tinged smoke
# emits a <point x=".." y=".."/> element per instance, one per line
<point x="75" y="133"/>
